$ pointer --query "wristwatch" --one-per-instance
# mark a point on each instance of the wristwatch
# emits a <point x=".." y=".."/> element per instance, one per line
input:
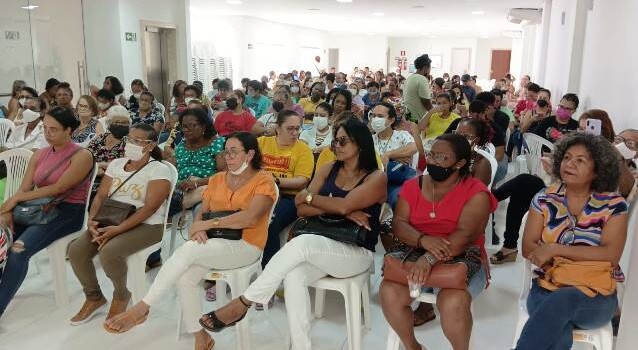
<point x="309" y="197"/>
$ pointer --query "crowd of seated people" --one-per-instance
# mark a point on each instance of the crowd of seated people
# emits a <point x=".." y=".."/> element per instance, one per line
<point x="360" y="147"/>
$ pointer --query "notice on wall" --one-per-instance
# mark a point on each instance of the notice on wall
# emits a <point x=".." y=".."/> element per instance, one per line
<point x="12" y="35"/>
<point x="129" y="36"/>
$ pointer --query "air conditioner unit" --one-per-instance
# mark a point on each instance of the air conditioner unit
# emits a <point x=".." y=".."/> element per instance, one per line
<point x="530" y="15"/>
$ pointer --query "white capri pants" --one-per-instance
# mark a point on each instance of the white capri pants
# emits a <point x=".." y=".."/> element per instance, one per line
<point x="188" y="266"/>
<point x="299" y="263"/>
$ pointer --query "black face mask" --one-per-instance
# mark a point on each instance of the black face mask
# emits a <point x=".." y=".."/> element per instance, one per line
<point x="439" y="173"/>
<point x="277" y="106"/>
<point x="231" y="103"/>
<point x="118" y="131"/>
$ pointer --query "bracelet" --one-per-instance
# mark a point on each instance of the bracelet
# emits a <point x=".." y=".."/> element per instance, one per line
<point x="430" y="258"/>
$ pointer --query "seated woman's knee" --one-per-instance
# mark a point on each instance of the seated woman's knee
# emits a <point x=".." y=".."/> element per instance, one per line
<point x="393" y="294"/>
<point x="453" y="302"/>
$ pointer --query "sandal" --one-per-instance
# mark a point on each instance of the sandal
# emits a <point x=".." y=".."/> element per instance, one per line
<point x="219" y="325"/>
<point x="422" y="317"/>
<point x="499" y="258"/>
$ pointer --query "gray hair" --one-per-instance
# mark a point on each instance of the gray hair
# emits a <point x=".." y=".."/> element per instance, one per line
<point x="603" y="154"/>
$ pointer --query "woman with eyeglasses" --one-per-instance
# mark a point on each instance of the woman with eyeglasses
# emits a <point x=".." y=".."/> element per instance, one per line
<point x="478" y="134"/>
<point x="581" y="218"/>
<point x="140" y="179"/>
<point x="445" y="213"/>
<point x="290" y="161"/>
<point x="244" y="188"/>
<point x="351" y="187"/>
<point x="89" y="128"/>
<point x="147" y="113"/>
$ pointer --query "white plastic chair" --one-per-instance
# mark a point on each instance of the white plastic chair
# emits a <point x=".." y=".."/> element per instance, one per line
<point x="493" y="166"/>
<point x="601" y="338"/>
<point x="238" y="281"/>
<point x="534" y="153"/>
<point x="136" y="263"/>
<point x="355" y="291"/>
<point x="6" y="126"/>
<point x="57" y="254"/>
<point x="17" y="161"/>
<point x="394" y="341"/>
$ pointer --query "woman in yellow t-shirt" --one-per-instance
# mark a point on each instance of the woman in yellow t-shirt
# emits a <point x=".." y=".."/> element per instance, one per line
<point x="439" y="118"/>
<point x="290" y="161"/>
<point x="243" y="188"/>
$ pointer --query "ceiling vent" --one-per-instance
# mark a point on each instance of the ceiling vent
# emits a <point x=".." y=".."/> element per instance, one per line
<point x="529" y="15"/>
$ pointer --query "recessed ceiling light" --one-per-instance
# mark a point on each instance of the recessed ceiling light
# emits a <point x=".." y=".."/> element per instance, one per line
<point x="478" y="13"/>
<point x="378" y="14"/>
<point x="234" y="2"/>
<point x="30" y="7"/>
<point x="344" y="0"/>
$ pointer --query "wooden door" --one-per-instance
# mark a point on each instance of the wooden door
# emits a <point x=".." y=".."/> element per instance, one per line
<point x="500" y="63"/>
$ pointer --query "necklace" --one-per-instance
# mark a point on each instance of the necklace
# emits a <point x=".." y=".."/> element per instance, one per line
<point x="433" y="212"/>
<point x="383" y="148"/>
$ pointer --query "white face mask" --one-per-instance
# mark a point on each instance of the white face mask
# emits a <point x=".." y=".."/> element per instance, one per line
<point x="320" y="122"/>
<point x="378" y="124"/>
<point x="22" y="101"/>
<point x="353" y="92"/>
<point x="137" y="95"/>
<point x="187" y="100"/>
<point x="294" y="89"/>
<point x="29" y="116"/>
<point x="133" y="152"/>
<point x="103" y="106"/>
<point x="625" y="152"/>
<point x="241" y="169"/>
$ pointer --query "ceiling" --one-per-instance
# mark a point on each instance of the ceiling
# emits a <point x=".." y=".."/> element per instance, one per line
<point x="400" y="18"/>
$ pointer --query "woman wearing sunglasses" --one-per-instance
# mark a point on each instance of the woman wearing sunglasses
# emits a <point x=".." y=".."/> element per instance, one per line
<point x="350" y="187"/>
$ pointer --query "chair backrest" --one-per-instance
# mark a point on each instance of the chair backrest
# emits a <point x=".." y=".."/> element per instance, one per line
<point x="88" y="195"/>
<point x="526" y="283"/>
<point x="274" y="204"/>
<point x="493" y="164"/>
<point x="6" y="126"/>
<point x="17" y="161"/>
<point x="174" y="175"/>
<point x="508" y="134"/>
<point x="633" y="221"/>
<point x="535" y="145"/>
<point x="491" y="149"/>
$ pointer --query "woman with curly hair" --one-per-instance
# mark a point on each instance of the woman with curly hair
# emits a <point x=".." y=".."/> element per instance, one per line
<point x="479" y="134"/>
<point x="580" y="218"/>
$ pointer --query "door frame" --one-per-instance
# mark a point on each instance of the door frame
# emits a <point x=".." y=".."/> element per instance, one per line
<point x="168" y="38"/>
<point x="492" y="57"/>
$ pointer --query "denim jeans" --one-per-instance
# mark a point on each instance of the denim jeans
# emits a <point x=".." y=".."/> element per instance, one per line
<point x="284" y="215"/>
<point x="554" y="315"/>
<point x="35" y="238"/>
<point x="398" y="173"/>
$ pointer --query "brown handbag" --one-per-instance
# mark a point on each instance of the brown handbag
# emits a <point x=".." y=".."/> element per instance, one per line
<point x="113" y="212"/>
<point x="446" y="275"/>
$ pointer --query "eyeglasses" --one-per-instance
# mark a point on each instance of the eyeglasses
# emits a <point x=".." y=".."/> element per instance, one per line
<point x="191" y="126"/>
<point x="437" y="157"/>
<point x="82" y="105"/>
<point x="120" y="122"/>
<point x="629" y="143"/>
<point x="231" y="153"/>
<point x="135" y="141"/>
<point x="293" y="129"/>
<point x="341" y="141"/>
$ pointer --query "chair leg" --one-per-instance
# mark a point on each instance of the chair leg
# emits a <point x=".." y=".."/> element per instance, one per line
<point x="365" y="300"/>
<point x="174" y="224"/>
<point x="136" y="276"/>
<point x="58" y="266"/>
<point x="355" y="317"/>
<point x="393" y="340"/>
<point x="320" y="298"/>
<point x="220" y="289"/>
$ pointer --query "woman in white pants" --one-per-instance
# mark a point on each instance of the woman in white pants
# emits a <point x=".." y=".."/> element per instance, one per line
<point x="242" y="188"/>
<point x="351" y="187"/>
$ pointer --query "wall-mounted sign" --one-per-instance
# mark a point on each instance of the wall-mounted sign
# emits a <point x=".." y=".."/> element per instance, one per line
<point x="12" y="35"/>
<point x="130" y="36"/>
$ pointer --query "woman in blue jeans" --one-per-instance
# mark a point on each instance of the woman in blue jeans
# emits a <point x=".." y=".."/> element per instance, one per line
<point x="581" y="218"/>
<point x="61" y="170"/>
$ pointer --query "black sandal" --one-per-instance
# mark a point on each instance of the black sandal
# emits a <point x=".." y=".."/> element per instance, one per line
<point x="218" y="325"/>
<point x="499" y="258"/>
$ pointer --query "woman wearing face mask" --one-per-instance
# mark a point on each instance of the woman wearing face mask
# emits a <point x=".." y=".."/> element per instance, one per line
<point x="396" y="148"/>
<point x="147" y="114"/>
<point x="356" y="99"/>
<point x="295" y="91"/>
<point x="30" y="134"/>
<point x="554" y="128"/>
<point x="105" y="100"/>
<point x="15" y="96"/>
<point x="252" y="193"/>
<point x="89" y="128"/>
<point x="373" y="97"/>
<point x="25" y="93"/>
<point x="137" y="87"/>
<point x="315" y="97"/>
<point x="140" y="179"/>
<point x="439" y="118"/>
<point x="320" y="136"/>
<point x="110" y="145"/>
<point x="445" y="213"/>
<point x="236" y="118"/>
<point x="478" y="134"/>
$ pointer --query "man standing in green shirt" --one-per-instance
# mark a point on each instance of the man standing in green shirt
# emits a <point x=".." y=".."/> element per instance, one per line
<point x="417" y="93"/>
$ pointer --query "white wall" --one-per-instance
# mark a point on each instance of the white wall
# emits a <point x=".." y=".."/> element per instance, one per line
<point x="102" y="38"/>
<point x="360" y="51"/>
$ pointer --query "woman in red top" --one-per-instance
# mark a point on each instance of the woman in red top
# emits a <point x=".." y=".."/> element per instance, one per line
<point x="445" y="213"/>
<point x="236" y="118"/>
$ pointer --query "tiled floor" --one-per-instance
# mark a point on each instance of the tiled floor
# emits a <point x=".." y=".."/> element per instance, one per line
<point x="32" y="321"/>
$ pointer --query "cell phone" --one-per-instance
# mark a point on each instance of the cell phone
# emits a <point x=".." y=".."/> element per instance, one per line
<point x="593" y="127"/>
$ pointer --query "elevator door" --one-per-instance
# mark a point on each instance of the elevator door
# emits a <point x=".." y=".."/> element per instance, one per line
<point x="154" y="64"/>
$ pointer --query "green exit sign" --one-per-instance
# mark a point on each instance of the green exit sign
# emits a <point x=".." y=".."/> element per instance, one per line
<point x="129" y="36"/>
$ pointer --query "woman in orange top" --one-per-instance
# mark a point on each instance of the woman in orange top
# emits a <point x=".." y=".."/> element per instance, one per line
<point x="243" y="187"/>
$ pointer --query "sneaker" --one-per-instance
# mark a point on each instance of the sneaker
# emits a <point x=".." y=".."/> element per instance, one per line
<point x="88" y="311"/>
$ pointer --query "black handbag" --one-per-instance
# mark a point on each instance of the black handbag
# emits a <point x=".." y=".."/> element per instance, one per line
<point x="112" y="212"/>
<point x="233" y="234"/>
<point x="334" y="227"/>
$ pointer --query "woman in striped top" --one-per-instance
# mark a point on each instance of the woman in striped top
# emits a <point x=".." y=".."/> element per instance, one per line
<point x="581" y="218"/>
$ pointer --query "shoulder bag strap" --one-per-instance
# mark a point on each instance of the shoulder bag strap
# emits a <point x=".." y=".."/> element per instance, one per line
<point x="72" y="191"/>
<point x="128" y="178"/>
